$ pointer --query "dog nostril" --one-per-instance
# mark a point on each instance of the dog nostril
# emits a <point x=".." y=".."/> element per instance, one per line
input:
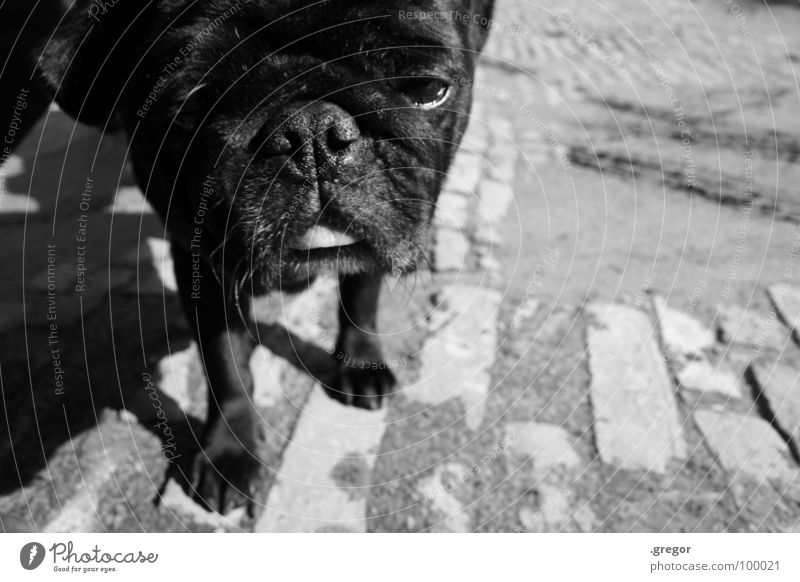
<point x="342" y="134"/>
<point x="277" y="144"/>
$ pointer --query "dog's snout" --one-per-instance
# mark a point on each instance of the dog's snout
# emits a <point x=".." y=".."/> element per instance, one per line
<point x="323" y="130"/>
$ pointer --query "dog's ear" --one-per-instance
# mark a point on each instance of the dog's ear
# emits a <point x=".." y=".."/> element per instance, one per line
<point x="483" y="9"/>
<point x="87" y="61"/>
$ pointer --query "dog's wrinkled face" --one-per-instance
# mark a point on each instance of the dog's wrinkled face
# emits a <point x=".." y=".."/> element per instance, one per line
<point x="282" y="137"/>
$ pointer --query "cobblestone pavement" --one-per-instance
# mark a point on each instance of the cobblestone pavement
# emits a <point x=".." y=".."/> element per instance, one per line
<point x="607" y="339"/>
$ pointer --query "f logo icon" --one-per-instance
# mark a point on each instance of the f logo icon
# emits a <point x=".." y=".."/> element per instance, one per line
<point x="31" y="555"/>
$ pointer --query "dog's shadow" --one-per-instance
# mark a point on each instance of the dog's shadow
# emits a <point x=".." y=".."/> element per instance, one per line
<point x="89" y="316"/>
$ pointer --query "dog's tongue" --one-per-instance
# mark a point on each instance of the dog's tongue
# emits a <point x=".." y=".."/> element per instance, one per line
<point x="322" y="237"/>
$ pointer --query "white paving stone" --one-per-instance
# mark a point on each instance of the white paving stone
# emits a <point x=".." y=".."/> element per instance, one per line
<point x="130" y="200"/>
<point x="553" y="513"/>
<point x="452" y="249"/>
<point x="156" y="274"/>
<point x="457" y="359"/>
<point x="489" y="263"/>
<point x="175" y="499"/>
<point x="452" y="211"/>
<point x="585" y="519"/>
<point x="636" y="417"/>
<point x="161" y="258"/>
<point x="787" y="301"/>
<point x="476" y="138"/>
<point x="306" y="496"/>
<point x="173" y="380"/>
<point x="780" y="386"/>
<point x="495" y="199"/>
<point x="748" y="328"/>
<point x="267" y="370"/>
<point x="464" y="174"/>
<point x="304" y="314"/>
<point x="532" y="520"/>
<point x="79" y="513"/>
<point x="548" y="445"/>
<point x="702" y="376"/>
<point x="13" y="166"/>
<point x="555" y="505"/>
<point x="485" y="234"/>
<point x="746" y="446"/>
<point x="503" y="158"/>
<point x="682" y="333"/>
<point x="11" y="203"/>
<point x="436" y="490"/>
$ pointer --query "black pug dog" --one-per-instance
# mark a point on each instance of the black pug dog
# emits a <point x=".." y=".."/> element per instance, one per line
<point x="276" y="139"/>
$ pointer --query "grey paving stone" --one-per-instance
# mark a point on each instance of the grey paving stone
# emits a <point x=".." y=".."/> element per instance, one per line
<point x="457" y="359"/>
<point x="11" y="315"/>
<point x="681" y="333"/>
<point x="748" y="328"/>
<point x="702" y="376"/>
<point x="307" y="496"/>
<point x="547" y="444"/>
<point x="746" y="446"/>
<point x="780" y="387"/>
<point x="63" y="276"/>
<point x="636" y="417"/>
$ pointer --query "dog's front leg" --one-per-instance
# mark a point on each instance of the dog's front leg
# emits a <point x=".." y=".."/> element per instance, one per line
<point x="363" y="376"/>
<point x="226" y="470"/>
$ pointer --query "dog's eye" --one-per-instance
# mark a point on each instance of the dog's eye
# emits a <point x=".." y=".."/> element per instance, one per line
<point x="426" y="92"/>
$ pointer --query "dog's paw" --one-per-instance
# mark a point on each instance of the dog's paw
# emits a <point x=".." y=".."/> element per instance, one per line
<point x="362" y="383"/>
<point x="226" y="472"/>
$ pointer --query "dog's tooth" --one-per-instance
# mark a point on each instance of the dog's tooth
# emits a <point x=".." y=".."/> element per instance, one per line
<point x="322" y="237"/>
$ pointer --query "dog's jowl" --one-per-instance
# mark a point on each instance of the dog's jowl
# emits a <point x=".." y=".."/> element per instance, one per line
<point x="276" y="140"/>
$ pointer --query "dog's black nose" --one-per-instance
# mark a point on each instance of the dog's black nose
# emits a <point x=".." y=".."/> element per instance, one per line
<point x="323" y="130"/>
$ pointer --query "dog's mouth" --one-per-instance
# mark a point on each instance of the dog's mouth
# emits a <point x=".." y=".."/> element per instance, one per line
<point x="324" y="248"/>
<point x="323" y="237"/>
